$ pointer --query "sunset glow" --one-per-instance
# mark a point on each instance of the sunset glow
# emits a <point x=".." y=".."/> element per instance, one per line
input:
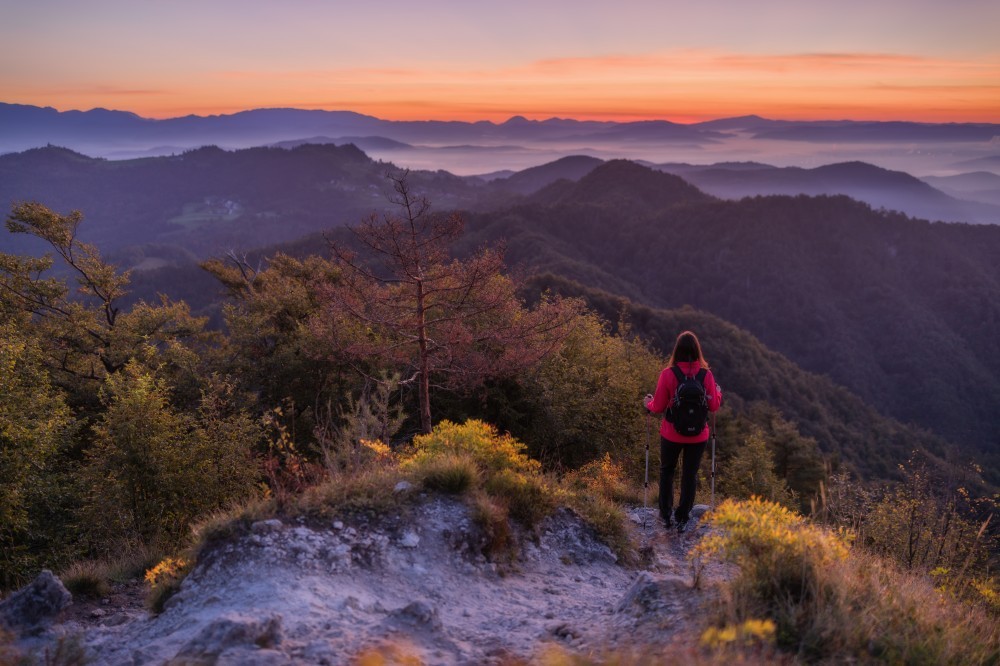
<point x="155" y="63"/>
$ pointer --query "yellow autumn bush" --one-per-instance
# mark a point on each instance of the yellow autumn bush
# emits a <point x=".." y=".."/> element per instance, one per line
<point x="492" y="452"/>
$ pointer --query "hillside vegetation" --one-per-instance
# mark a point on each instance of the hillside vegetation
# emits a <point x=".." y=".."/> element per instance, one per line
<point x="135" y="435"/>
<point x="901" y="312"/>
<point x="762" y="381"/>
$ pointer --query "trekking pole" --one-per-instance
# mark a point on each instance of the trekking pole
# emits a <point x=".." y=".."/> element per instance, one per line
<point x="713" y="462"/>
<point x="645" y="485"/>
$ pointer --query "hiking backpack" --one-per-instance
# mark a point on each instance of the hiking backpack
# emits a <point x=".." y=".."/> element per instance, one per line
<point x="688" y="411"/>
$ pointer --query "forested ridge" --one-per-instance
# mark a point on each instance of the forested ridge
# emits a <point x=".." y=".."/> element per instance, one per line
<point x="902" y="312"/>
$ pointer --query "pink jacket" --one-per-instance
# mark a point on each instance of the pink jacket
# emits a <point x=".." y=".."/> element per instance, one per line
<point x="665" y="389"/>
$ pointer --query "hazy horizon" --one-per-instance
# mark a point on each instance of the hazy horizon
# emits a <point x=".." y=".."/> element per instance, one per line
<point x="451" y="147"/>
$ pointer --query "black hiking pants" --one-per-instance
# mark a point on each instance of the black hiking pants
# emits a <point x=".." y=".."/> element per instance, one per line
<point x="669" y="453"/>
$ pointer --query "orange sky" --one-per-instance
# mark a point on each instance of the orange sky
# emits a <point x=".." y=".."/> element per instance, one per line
<point x="903" y="60"/>
<point x="683" y="86"/>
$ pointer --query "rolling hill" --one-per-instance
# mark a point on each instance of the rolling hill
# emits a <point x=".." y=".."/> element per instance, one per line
<point x="880" y="188"/>
<point x="210" y="200"/>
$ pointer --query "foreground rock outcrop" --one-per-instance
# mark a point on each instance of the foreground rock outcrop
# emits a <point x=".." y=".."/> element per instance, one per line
<point x="298" y="593"/>
<point x="33" y="608"/>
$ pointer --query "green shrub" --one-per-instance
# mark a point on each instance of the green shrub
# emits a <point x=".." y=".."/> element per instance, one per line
<point x="33" y="421"/>
<point x="749" y="472"/>
<point x="154" y="470"/>
<point x="585" y="397"/>
<point x="781" y="558"/>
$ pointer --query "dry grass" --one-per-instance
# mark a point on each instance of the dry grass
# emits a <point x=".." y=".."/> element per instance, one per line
<point x="94" y="578"/>
<point x="369" y="490"/>
<point x="830" y="603"/>
<point x="492" y="517"/>
<point x="881" y="612"/>
<point x="165" y="575"/>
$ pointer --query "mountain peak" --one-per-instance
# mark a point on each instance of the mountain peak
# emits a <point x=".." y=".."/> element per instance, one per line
<point x="629" y="185"/>
<point x="517" y="120"/>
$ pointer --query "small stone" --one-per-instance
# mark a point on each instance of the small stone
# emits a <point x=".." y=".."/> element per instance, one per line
<point x="410" y="539"/>
<point x="228" y="632"/>
<point x="337" y="525"/>
<point x="263" y="526"/>
<point x="418" y="613"/>
<point x="402" y="487"/>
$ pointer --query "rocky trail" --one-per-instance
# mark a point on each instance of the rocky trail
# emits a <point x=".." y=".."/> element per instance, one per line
<point x="298" y="593"/>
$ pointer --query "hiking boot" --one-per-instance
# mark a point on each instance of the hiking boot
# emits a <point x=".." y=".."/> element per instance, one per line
<point x="668" y="522"/>
<point x="682" y="526"/>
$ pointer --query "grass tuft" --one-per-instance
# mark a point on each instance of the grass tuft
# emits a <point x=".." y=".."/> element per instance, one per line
<point x="89" y="578"/>
<point x="608" y="520"/>
<point x="493" y="518"/>
<point x="371" y="490"/>
<point x="528" y="498"/>
<point x="449" y="473"/>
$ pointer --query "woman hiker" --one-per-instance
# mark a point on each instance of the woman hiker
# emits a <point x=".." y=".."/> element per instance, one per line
<point x="683" y="434"/>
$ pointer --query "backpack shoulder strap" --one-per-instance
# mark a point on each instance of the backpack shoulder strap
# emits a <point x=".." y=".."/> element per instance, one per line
<point x="678" y="374"/>
<point x="701" y="376"/>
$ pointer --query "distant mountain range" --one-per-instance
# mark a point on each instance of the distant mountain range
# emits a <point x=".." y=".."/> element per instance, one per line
<point x="98" y="131"/>
<point x="104" y="133"/>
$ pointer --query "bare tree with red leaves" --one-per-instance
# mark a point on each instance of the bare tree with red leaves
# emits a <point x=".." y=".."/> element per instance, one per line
<point x="453" y="324"/>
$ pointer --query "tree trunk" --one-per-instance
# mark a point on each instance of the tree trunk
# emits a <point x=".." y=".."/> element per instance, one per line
<point x="425" y="380"/>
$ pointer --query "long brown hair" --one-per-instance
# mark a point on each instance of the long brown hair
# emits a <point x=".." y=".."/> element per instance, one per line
<point x="687" y="348"/>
